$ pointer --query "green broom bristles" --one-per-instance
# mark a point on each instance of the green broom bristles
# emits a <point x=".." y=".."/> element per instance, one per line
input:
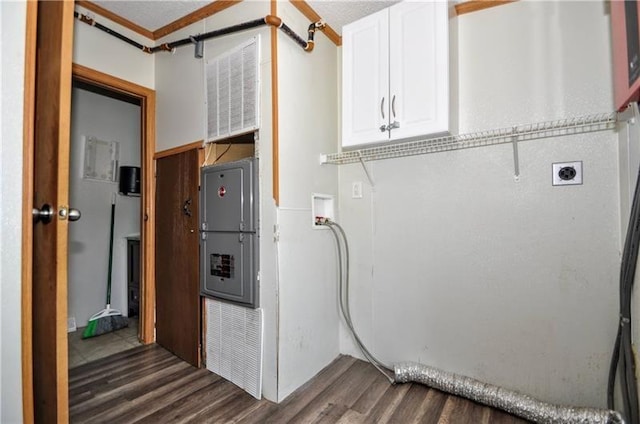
<point x="104" y="325"/>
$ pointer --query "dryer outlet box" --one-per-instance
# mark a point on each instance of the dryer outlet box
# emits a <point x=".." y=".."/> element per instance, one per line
<point x="567" y="173"/>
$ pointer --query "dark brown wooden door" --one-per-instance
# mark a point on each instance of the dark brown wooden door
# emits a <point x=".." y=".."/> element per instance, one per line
<point x="177" y="284"/>
<point x="51" y="130"/>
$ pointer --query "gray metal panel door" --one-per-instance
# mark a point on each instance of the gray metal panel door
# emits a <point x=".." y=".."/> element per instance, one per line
<point x="228" y="267"/>
<point x="227" y="197"/>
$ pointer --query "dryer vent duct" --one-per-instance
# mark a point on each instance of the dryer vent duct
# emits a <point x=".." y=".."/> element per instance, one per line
<point x="508" y="400"/>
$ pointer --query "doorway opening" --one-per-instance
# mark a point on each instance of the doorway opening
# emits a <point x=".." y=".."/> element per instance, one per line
<point x="103" y="260"/>
<point x="134" y="244"/>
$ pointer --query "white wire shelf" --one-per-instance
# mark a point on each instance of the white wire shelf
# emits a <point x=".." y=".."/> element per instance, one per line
<point x="558" y="128"/>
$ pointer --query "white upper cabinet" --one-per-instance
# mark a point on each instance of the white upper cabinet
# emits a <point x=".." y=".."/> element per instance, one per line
<point x="395" y="74"/>
<point x="365" y="79"/>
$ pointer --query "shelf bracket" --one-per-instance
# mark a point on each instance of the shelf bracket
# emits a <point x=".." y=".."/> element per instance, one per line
<point x="366" y="170"/>
<point x="516" y="160"/>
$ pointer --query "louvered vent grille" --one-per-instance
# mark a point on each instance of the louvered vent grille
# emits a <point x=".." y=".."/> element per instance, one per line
<point x="234" y="344"/>
<point x="232" y="81"/>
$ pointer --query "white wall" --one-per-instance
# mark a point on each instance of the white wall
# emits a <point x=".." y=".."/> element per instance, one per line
<point x="458" y="266"/>
<point x="307" y="101"/>
<point x="94" y="115"/>
<point x="179" y="81"/>
<point x="12" y="22"/>
<point x="102" y="52"/>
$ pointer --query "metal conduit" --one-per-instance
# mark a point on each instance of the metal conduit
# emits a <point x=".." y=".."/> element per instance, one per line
<point x="267" y="20"/>
<point x="90" y="21"/>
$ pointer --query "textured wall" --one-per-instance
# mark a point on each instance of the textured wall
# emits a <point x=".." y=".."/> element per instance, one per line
<point x="100" y="51"/>
<point x="457" y="265"/>
<point x="12" y="24"/>
<point x="306" y="260"/>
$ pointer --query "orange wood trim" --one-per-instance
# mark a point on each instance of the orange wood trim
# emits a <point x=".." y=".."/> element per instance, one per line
<point x="198" y="15"/>
<point x="147" y="98"/>
<point x="115" y="18"/>
<point x="179" y="149"/>
<point x="27" y="206"/>
<point x="313" y="16"/>
<point x="110" y="82"/>
<point x="148" y="220"/>
<point x="62" y="248"/>
<point x="274" y="107"/>
<point x="475" y="5"/>
<point x="201" y="159"/>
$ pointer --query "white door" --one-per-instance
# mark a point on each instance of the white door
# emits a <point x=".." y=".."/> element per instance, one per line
<point x="365" y="80"/>
<point x="419" y="75"/>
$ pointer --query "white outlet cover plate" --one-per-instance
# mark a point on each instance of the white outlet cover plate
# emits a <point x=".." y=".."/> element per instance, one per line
<point x="356" y="190"/>
<point x="556" y="167"/>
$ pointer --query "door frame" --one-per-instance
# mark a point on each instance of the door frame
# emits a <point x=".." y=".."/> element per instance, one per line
<point x="147" y="99"/>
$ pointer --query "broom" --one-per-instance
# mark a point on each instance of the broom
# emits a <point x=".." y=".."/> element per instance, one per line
<point x="108" y="319"/>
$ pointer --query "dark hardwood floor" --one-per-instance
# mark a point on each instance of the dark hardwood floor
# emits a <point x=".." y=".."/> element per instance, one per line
<point x="148" y="384"/>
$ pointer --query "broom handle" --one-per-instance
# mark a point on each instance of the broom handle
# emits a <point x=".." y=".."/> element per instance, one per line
<point x="113" y="213"/>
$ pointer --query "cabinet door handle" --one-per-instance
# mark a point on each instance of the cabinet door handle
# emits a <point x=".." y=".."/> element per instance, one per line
<point x="393" y="106"/>
<point x="382" y="107"/>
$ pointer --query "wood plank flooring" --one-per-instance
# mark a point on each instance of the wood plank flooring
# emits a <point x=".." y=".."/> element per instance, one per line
<point x="148" y="384"/>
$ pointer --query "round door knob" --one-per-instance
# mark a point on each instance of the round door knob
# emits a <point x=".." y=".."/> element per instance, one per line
<point x="74" y="214"/>
<point x="69" y="213"/>
<point x="44" y="214"/>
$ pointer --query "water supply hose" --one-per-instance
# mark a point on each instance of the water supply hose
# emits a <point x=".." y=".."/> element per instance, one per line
<point x="343" y="290"/>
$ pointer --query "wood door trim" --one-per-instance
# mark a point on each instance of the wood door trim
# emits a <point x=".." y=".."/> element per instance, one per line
<point x="475" y="5"/>
<point x="28" y="131"/>
<point x="147" y="98"/>
<point x="198" y="15"/>
<point x="274" y="108"/>
<point x="110" y="82"/>
<point x="115" y="18"/>
<point x="148" y="295"/>
<point x="313" y="16"/>
<point x="179" y="149"/>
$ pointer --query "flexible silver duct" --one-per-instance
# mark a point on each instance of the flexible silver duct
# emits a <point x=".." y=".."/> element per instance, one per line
<point x="508" y="400"/>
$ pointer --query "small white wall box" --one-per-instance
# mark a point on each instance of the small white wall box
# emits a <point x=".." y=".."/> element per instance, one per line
<point x="100" y="160"/>
<point x="322" y="207"/>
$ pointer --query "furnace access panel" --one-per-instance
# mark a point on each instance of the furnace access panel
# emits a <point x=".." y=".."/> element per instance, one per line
<point x="229" y="239"/>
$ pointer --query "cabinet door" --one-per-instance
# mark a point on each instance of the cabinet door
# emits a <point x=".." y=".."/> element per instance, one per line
<point x="365" y="80"/>
<point x="419" y="68"/>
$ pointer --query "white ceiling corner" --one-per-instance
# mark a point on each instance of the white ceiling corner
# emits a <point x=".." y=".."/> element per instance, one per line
<point x="339" y="13"/>
<point x="153" y="14"/>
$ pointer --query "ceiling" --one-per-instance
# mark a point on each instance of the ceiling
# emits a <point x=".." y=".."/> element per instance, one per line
<point x="152" y="15"/>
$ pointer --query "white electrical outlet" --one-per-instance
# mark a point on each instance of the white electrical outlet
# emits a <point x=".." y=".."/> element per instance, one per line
<point x="356" y="190"/>
<point x="567" y="173"/>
